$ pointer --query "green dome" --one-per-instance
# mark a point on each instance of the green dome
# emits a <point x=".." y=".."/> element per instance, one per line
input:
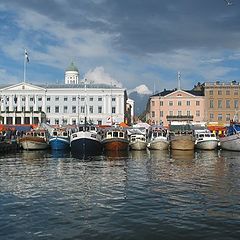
<point x="72" y="67"/>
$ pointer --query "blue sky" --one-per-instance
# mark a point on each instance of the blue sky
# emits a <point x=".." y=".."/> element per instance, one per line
<point x="131" y="43"/>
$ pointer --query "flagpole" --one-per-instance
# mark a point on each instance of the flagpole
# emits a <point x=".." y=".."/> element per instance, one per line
<point x="24" y="67"/>
<point x="26" y="59"/>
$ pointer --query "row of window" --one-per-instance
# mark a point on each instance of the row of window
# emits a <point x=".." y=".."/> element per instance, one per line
<point x="65" y="99"/>
<point x="65" y="109"/>
<point x="74" y="109"/>
<point x="57" y="121"/>
<point x="179" y="103"/>
<point x="227" y="103"/>
<point x="179" y="113"/>
<point x="227" y="92"/>
<point x="220" y="116"/>
<point x="23" y="109"/>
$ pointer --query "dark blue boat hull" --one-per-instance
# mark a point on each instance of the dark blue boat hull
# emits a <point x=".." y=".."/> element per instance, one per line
<point x="86" y="146"/>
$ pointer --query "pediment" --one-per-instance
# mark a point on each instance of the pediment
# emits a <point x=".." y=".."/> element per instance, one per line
<point x="23" y="86"/>
<point x="180" y="94"/>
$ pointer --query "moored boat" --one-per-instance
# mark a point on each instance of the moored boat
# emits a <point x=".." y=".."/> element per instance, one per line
<point x="205" y="140"/>
<point x="181" y="137"/>
<point x="158" y="138"/>
<point x="35" y="139"/>
<point x="115" y="139"/>
<point x="231" y="140"/>
<point x="59" y="139"/>
<point x="86" y="140"/>
<point x="137" y="142"/>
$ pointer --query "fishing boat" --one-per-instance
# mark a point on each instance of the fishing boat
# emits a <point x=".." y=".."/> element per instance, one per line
<point x="205" y="140"/>
<point x="59" y="139"/>
<point x="137" y="142"/>
<point x="86" y="140"/>
<point x="115" y="139"/>
<point x="181" y="136"/>
<point x="35" y="139"/>
<point x="158" y="138"/>
<point x="231" y="140"/>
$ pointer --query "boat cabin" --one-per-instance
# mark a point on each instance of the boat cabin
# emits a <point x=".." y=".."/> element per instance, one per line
<point x="41" y="133"/>
<point x="201" y="136"/>
<point x="116" y="134"/>
<point x="58" y="133"/>
<point x="137" y="137"/>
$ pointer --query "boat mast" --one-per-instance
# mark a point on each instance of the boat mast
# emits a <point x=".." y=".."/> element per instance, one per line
<point x="85" y="117"/>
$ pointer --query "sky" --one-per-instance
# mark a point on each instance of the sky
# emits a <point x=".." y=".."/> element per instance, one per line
<point x="135" y="44"/>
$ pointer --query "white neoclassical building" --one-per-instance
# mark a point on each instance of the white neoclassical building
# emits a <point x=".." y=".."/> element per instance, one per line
<point x="67" y="103"/>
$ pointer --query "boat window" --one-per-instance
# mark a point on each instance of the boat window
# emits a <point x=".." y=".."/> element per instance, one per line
<point x="133" y="139"/>
<point x="93" y="128"/>
<point x="80" y="128"/>
<point x="35" y="134"/>
<point x="212" y="135"/>
<point x="201" y="135"/>
<point x="54" y="133"/>
<point x="207" y="135"/>
<point x="109" y="134"/>
<point x="65" y="134"/>
<point x="115" y="134"/>
<point x="74" y="135"/>
<point x="121" y="135"/>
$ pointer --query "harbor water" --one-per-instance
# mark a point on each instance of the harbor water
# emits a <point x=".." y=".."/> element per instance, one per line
<point x="132" y="195"/>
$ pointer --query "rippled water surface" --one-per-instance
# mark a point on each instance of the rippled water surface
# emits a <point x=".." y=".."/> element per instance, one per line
<point x="135" y="195"/>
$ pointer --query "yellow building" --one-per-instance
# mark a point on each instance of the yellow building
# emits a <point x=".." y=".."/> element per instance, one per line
<point x="221" y="101"/>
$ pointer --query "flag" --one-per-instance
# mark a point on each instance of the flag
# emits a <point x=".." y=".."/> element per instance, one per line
<point x="26" y="56"/>
<point x="15" y="99"/>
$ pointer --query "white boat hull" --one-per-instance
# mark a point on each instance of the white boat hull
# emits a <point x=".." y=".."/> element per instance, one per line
<point x="32" y="145"/>
<point x="231" y="142"/>
<point x="159" y="144"/>
<point x="138" y="145"/>
<point x="207" y="144"/>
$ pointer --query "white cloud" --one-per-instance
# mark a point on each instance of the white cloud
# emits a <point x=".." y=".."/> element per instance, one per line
<point x="142" y="89"/>
<point x="98" y="75"/>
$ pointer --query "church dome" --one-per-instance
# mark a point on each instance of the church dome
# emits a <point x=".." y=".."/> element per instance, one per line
<point x="72" y="67"/>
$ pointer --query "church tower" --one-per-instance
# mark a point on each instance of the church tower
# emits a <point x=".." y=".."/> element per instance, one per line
<point x="72" y="74"/>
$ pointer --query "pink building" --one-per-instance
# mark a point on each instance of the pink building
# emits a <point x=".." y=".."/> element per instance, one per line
<point x="176" y="105"/>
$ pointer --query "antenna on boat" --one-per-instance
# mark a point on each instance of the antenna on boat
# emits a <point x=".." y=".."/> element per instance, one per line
<point x="111" y="106"/>
<point x="85" y="117"/>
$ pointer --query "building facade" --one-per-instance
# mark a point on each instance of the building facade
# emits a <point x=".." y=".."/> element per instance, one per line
<point x="221" y="101"/>
<point x="176" y="105"/>
<point x="68" y="103"/>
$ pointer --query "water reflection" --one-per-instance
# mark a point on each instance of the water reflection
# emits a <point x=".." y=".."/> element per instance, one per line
<point x="138" y="155"/>
<point x="158" y="154"/>
<point x="60" y="153"/>
<point x="183" y="155"/>
<point x="116" y="155"/>
<point x="35" y="154"/>
<point x="208" y="155"/>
